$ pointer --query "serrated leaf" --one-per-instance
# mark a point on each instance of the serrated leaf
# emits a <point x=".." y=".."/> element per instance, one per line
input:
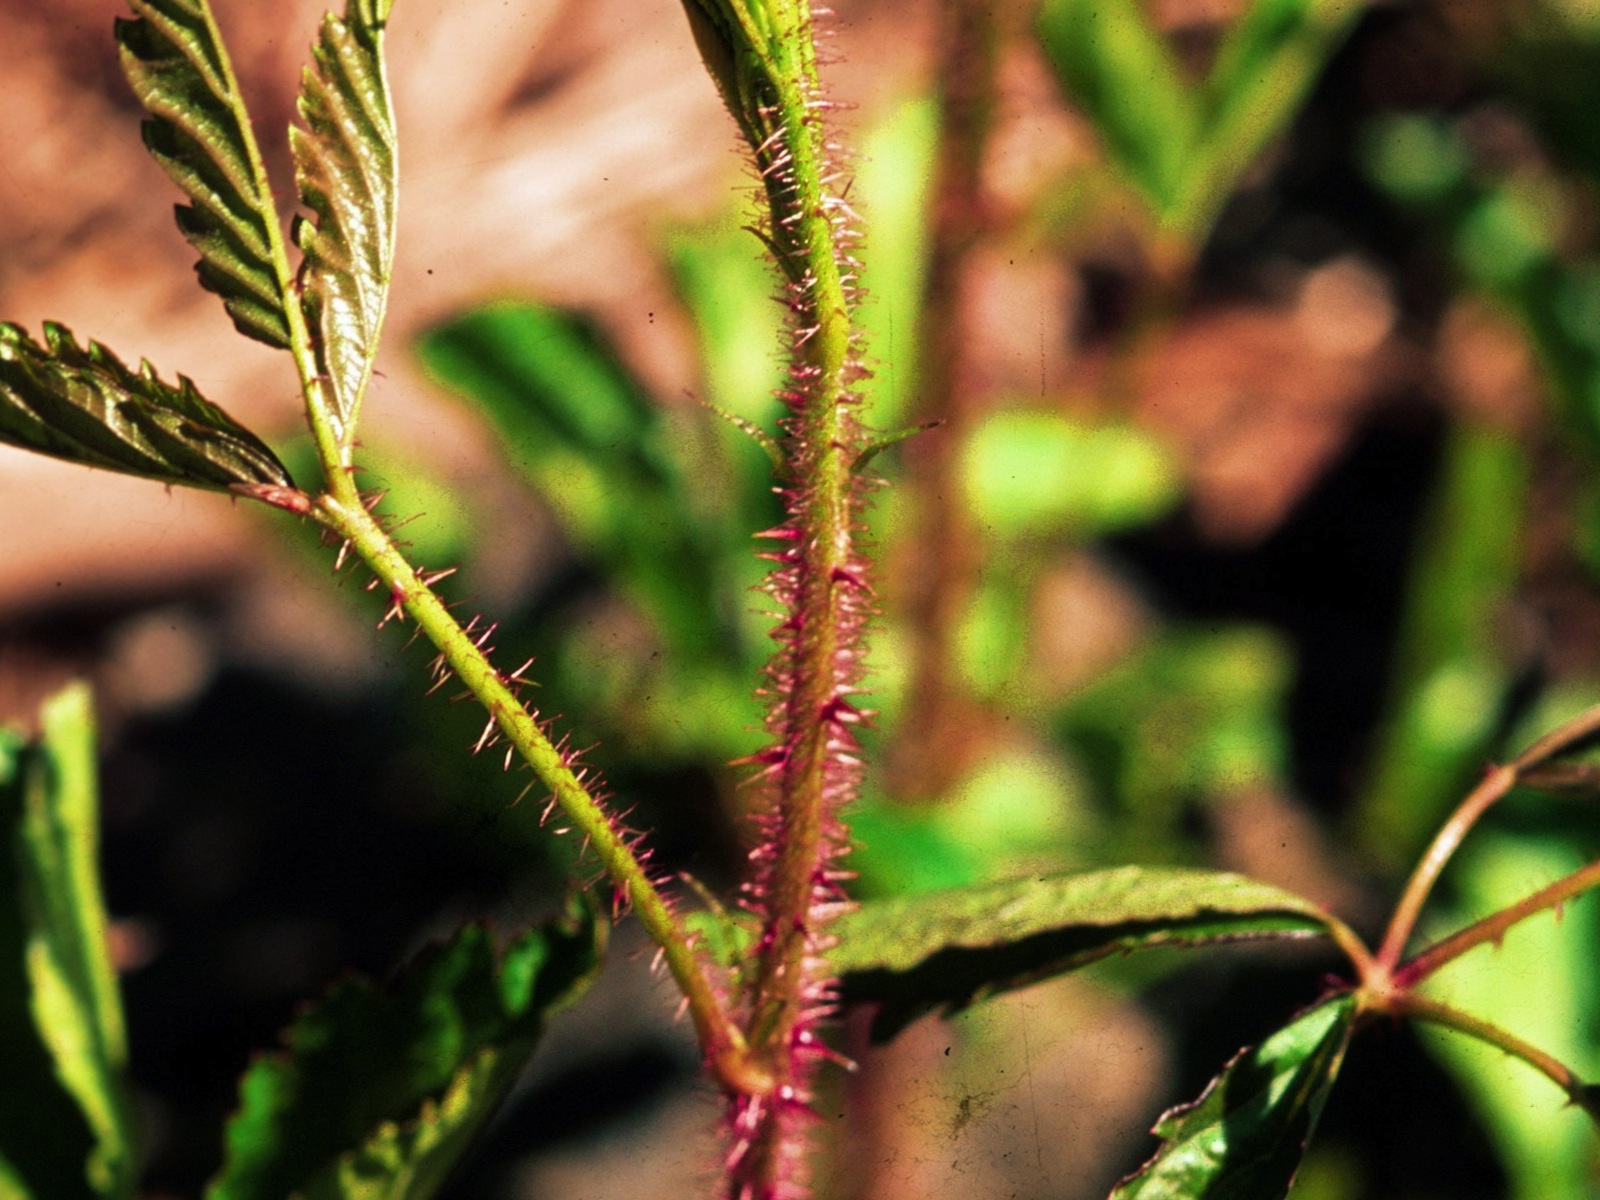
<point x="915" y="954"/>
<point x="345" y="167"/>
<point x="86" y="406"/>
<point x="199" y="131"/>
<point x="66" y="1128"/>
<point x="1244" y="1138"/>
<point x="374" y="1076"/>
<point x="735" y="43"/>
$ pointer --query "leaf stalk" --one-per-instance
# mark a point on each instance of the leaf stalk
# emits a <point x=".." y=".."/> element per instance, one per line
<point x="1424" y="1009"/>
<point x="1492" y="928"/>
<point x="612" y="846"/>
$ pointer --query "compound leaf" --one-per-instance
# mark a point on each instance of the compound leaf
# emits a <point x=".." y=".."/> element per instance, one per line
<point x="378" y="1091"/>
<point x="1244" y="1138"/>
<point x="345" y="167"/>
<point x="200" y="133"/>
<point x="914" y="954"/>
<point x="86" y="406"/>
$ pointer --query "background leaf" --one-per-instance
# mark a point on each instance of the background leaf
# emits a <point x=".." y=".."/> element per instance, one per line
<point x="1453" y="678"/>
<point x="200" y="133"/>
<point x="1261" y="77"/>
<point x="1548" y="1148"/>
<point x="1129" y="84"/>
<point x="86" y="406"/>
<point x="914" y="954"/>
<point x="575" y="423"/>
<point x="378" y="1092"/>
<point x="66" y="1129"/>
<point x="1244" y="1138"/>
<point x="345" y="167"/>
<point x="1185" y="146"/>
<point x="410" y="1161"/>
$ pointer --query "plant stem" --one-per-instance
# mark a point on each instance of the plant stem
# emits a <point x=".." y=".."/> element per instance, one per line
<point x="1496" y="783"/>
<point x="465" y="655"/>
<point x="1493" y="928"/>
<point x="763" y="57"/>
<point x="822" y="573"/>
<point x="1499" y="780"/>
<point x="1563" y="739"/>
<point x="1423" y="1009"/>
<point x="945" y="559"/>
<point x="1347" y="940"/>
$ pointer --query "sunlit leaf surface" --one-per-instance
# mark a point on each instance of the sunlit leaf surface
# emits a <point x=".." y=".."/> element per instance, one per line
<point x="914" y="954"/>
<point x="1244" y="1138"/>
<point x="345" y="166"/>
<point x="85" y="405"/>
<point x="200" y="133"/>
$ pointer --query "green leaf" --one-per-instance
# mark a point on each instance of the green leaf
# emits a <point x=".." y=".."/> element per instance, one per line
<point x="1194" y="714"/>
<point x="345" y="167"/>
<point x="1036" y="473"/>
<point x="410" y="1161"/>
<point x="1128" y="83"/>
<point x="1185" y="147"/>
<point x="1263" y="71"/>
<point x="66" y="1128"/>
<point x="1546" y="1149"/>
<point x="736" y="43"/>
<point x="1451" y="681"/>
<point x="1244" y="1138"/>
<point x="200" y="133"/>
<point x="914" y="954"/>
<point x="378" y="1092"/>
<point x="584" y="432"/>
<point x="86" y="406"/>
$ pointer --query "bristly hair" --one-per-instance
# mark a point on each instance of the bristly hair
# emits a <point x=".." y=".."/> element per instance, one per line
<point x="811" y="770"/>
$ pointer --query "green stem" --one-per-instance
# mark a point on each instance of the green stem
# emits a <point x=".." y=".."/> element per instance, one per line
<point x="1423" y="1009"/>
<point x="335" y="460"/>
<point x="1361" y="958"/>
<point x="719" y="1036"/>
<point x="1494" y="927"/>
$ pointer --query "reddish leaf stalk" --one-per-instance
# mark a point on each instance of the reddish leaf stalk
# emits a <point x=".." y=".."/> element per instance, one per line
<point x="1492" y="928"/>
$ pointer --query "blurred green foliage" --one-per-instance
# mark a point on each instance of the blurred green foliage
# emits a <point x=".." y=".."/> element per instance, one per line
<point x="67" y="1127"/>
<point x="657" y="644"/>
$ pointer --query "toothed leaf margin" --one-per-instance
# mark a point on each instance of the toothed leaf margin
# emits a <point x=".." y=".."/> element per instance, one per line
<point x="84" y="405"/>
<point x="200" y="133"/>
<point x="345" y="167"/>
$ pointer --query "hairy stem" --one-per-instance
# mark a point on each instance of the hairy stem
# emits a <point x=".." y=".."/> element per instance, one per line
<point x="762" y="55"/>
<point x="465" y="655"/>
<point x="822" y="566"/>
